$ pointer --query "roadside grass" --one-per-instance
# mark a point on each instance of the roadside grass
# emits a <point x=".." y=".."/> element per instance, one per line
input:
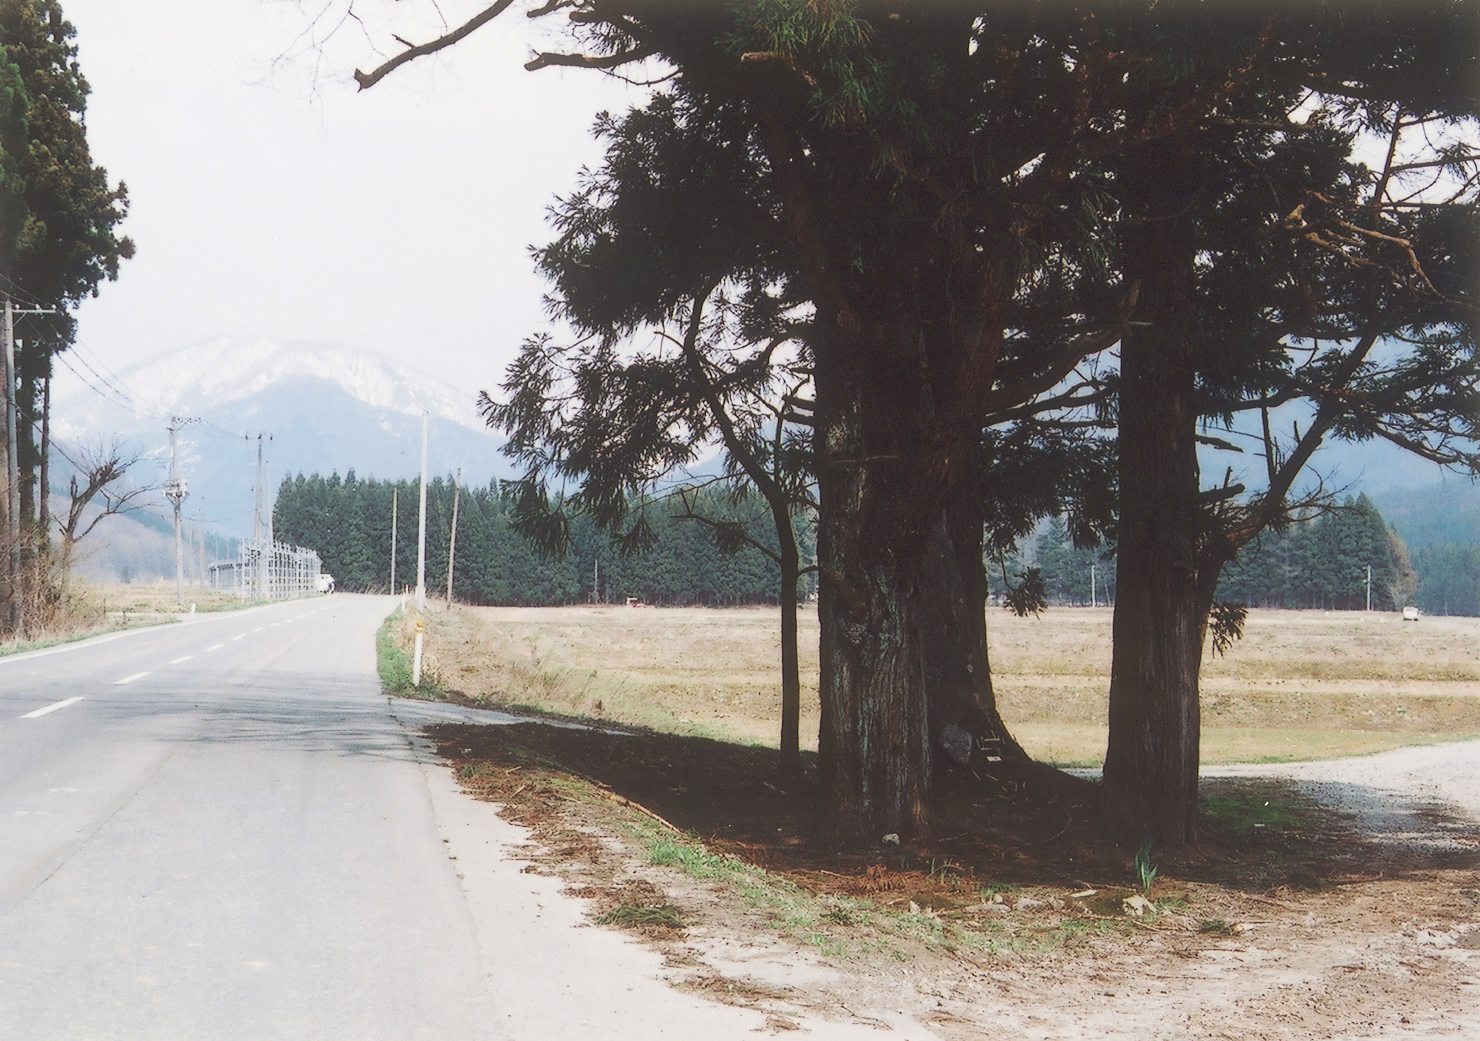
<point x="394" y="650"/>
<point x="86" y="610"/>
<point x="835" y="925"/>
<point x="41" y="644"/>
<point x="847" y="928"/>
<point x="159" y="598"/>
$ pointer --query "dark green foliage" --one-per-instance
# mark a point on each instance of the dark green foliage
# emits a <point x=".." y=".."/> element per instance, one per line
<point x="1321" y="564"/>
<point x="1449" y="579"/>
<point x="58" y="213"/>
<point x="1027" y="595"/>
<point x="348" y="523"/>
<point x="1226" y="624"/>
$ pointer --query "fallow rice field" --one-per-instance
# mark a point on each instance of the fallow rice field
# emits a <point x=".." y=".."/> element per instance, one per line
<point x="1299" y="685"/>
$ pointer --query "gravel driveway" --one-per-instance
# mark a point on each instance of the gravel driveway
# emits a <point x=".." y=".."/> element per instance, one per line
<point x="1424" y="797"/>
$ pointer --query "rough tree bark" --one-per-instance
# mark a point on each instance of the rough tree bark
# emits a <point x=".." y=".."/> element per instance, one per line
<point x="1151" y="762"/>
<point x="902" y="596"/>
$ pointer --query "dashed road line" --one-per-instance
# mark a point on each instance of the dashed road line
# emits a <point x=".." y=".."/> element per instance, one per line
<point x="183" y="657"/>
<point x="51" y="708"/>
<point x="130" y="679"/>
<point x="217" y="647"/>
<point x="240" y="636"/>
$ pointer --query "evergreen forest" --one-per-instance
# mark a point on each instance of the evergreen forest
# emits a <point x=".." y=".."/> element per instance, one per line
<point x="1320" y="563"/>
<point x="348" y="522"/>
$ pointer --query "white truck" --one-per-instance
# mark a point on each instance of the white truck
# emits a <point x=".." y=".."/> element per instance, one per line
<point x="324" y="583"/>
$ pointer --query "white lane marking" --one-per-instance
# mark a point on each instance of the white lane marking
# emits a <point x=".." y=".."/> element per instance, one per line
<point x="51" y="708"/>
<point x="183" y="657"/>
<point x="240" y="636"/>
<point x="130" y="679"/>
<point x="217" y="647"/>
<point x="259" y="629"/>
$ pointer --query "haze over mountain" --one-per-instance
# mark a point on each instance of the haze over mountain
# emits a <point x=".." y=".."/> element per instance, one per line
<point x="316" y="406"/>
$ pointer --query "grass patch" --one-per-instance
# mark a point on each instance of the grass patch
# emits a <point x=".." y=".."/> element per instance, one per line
<point x="1253" y="806"/>
<point x="394" y="660"/>
<point x="41" y="644"/>
<point x="640" y="915"/>
<point x="1217" y="927"/>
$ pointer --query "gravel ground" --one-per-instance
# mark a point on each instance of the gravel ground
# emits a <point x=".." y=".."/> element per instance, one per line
<point x="1420" y="798"/>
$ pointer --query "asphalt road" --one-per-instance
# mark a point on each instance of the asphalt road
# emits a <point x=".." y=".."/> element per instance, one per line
<point x="217" y="829"/>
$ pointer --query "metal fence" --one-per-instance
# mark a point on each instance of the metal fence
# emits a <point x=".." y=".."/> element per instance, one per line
<point x="268" y="571"/>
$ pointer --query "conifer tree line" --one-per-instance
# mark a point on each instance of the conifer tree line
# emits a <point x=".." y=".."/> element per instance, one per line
<point x="1320" y="563"/>
<point x="347" y="521"/>
<point x="1323" y="563"/>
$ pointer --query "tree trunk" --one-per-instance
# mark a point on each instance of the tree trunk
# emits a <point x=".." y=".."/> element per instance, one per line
<point x="964" y="722"/>
<point x="1151" y="762"/>
<point x="873" y="741"/>
<point x="902" y="597"/>
<point x="791" y="678"/>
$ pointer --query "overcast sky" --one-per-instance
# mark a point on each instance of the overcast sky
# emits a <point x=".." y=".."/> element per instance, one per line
<point x="268" y="197"/>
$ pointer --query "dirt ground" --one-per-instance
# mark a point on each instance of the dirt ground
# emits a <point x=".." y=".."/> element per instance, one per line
<point x="1014" y="922"/>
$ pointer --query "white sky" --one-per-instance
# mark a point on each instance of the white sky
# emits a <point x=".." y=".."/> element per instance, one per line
<point x="271" y="198"/>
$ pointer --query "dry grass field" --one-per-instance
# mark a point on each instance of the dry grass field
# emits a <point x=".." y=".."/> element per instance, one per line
<point x="90" y="608"/>
<point x="1300" y="685"/>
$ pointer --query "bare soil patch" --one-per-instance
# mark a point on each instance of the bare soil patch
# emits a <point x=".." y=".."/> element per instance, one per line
<point x="1013" y="921"/>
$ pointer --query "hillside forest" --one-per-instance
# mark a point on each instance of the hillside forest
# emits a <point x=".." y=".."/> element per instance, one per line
<point x="1321" y="563"/>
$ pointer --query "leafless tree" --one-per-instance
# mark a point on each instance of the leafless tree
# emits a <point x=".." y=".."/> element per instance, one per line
<point x="99" y="483"/>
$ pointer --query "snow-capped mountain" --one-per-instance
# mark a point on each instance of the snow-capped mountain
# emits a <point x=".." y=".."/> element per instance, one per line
<point x="314" y="406"/>
<point x="230" y="369"/>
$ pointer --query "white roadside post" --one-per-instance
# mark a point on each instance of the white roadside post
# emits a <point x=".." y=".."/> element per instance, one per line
<point x="421" y="526"/>
<point x="421" y="631"/>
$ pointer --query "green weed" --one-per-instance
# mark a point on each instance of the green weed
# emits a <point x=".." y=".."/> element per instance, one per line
<point x="1145" y="869"/>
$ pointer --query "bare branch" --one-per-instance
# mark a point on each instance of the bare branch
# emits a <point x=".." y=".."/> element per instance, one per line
<point x="366" y="80"/>
<point x="587" y="61"/>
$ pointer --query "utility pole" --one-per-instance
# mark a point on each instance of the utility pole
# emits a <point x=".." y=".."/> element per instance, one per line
<point x="1369" y="587"/>
<point x="262" y="524"/>
<point x="395" y="509"/>
<point x="452" y="536"/>
<point x="43" y="493"/>
<point x="257" y="509"/>
<point x="11" y="507"/>
<point x="12" y="468"/>
<point x="421" y="525"/>
<point x="200" y="535"/>
<point x="1092" y="586"/>
<point x="176" y="491"/>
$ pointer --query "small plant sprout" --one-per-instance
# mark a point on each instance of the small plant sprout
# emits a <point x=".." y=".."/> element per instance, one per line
<point x="1145" y="869"/>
